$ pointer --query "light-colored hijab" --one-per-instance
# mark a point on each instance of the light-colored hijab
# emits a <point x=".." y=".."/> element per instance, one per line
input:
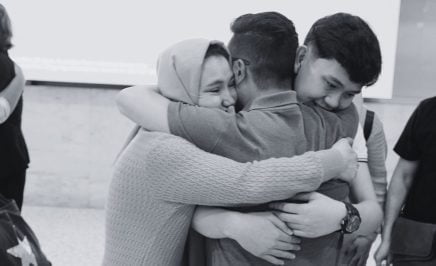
<point x="179" y="69"/>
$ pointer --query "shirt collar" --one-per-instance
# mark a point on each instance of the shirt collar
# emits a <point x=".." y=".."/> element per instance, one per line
<point x="275" y="100"/>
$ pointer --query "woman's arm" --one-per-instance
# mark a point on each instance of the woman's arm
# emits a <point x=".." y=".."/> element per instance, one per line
<point x="145" y="106"/>
<point x="177" y="171"/>
<point x="400" y="184"/>
<point x="10" y="96"/>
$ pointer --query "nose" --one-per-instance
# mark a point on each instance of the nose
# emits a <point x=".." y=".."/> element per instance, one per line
<point x="227" y="98"/>
<point x="332" y="101"/>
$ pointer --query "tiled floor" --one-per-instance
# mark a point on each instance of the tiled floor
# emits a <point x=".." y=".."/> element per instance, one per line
<point x="73" y="135"/>
<point x="68" y="236"/>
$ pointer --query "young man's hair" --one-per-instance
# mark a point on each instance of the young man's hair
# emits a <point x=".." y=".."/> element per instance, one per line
<point x="350" y="41"/>
<point x="216" y="49"/>
<point x="5" y="30"/>
<point x="267" y="43"/>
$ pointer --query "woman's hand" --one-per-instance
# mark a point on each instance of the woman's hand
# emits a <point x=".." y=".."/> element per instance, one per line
<point x="382" y="255"/>
<point x="265" y="236"/>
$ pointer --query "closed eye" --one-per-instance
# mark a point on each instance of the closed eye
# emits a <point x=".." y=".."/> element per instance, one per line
<point x="215" y="89"/>
<point x="331" y="85"/>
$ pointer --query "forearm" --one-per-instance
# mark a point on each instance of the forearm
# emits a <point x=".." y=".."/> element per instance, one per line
<point x="192" y="176"/>
<point x="362" y="191"/>
<point x="371" y="215"/>
<point x="214" y="222"/>
<point x="145" y="107"/>
<point x="395" y="198"/>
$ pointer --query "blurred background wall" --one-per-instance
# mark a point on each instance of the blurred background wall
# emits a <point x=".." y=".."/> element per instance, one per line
<point x="117" y="42"/>
<point x="415" y="66"/>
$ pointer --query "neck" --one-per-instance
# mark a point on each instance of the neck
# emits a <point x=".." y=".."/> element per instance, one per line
<point x="261" y="92"/>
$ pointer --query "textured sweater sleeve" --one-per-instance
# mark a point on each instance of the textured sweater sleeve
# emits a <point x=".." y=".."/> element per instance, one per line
<point x="180" y="172"/>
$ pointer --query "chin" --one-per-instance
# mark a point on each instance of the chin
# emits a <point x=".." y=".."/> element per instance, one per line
<point x="325" y="107"/>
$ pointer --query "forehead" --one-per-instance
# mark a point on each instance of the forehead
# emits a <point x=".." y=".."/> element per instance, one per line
<point x="332" y="71"/>
<point x="215" y="68"/>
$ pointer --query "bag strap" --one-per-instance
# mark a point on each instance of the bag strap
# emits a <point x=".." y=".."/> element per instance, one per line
<point x="367" y="126"/>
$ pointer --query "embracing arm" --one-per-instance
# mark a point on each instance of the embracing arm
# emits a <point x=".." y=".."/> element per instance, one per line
<point x="145" y="106"/>
<point x="369" y="209"/>
<point x="322" y="215"/>
<point x="10" y="96"/>
<point x="180" y="172"/>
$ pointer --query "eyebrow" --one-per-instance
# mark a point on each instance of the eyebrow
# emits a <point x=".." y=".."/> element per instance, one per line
<point x="335" y="80"/>
<point x="216" y="82"/>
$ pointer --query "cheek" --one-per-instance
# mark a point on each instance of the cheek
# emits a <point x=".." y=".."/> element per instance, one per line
<point x="312" y="91"/>
<point x="345" y="103"/>
<point x="211" y="101"/>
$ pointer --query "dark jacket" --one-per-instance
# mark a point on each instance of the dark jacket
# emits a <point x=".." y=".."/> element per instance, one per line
<point x="13" y="149"/>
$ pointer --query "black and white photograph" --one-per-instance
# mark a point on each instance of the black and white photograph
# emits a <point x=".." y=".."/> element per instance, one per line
<point x="217" y="133"/>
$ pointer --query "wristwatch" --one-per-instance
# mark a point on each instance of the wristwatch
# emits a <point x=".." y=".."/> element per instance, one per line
<point x="351" y="221"/>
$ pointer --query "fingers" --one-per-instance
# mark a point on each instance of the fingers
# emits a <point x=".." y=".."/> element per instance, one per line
<point x="304" y="196"/>
<point x="298" y="226"/>
<point x="273" y="260"/>
<point x="301" y="233"/>
<point x="282" y="254"/>
<point x="286" y="207"/>
<point x="286" y="246"/>
<point x="288" y="239"/>
<point x="281" y="225"/>
<point x="289" y="217"/>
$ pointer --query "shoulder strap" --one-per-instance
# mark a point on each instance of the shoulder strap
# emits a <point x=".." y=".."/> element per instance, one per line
<point x="367" y="127"/>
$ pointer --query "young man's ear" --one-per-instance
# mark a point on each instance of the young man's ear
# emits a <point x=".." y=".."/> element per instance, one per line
<point x="239" y="70"/>
<point x="301" y="53"/>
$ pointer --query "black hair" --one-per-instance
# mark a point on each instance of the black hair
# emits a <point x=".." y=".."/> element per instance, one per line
<point x="216" y="49"/>
<point x="349" y="40"/>
<point x="268" y="42"/>
<point x="5" y="30"/>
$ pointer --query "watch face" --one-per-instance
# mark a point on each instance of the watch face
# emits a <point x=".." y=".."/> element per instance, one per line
<point x="353" y="223"/>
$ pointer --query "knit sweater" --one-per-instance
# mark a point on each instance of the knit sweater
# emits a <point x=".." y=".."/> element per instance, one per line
<point x="159" y="179"/>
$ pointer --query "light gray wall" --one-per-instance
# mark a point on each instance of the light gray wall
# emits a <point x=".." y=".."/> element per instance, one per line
<point x="415" y="68"/>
